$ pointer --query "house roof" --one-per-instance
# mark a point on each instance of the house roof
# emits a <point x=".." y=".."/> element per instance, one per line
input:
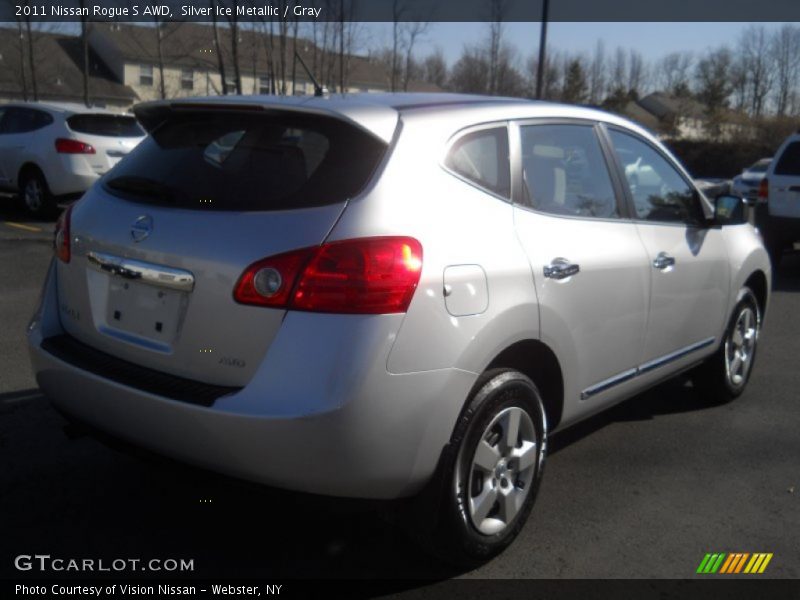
<point x="666" y="106"/>
<point x="637" y="113"/>
<point x="191" y="45"/>
<point x="58" y="64"/>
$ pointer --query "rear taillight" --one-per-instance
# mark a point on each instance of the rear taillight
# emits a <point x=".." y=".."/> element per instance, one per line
<point x="363" y="276"/>
<point x="67" y="146"/>
<point x="763" y="190"/>
<point x="61" y="244"/>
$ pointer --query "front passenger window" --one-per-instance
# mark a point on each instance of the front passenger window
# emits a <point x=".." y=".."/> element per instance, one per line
<point x="659" y="191"/>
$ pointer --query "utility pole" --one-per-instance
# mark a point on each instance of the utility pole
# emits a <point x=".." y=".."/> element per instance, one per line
<point x="542" y="51"/>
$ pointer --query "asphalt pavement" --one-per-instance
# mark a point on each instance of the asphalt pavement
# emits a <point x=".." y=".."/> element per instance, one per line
<point x="643" y="490"/>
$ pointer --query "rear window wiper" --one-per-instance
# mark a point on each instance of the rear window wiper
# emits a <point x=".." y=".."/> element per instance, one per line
<point x="142" y="186"/>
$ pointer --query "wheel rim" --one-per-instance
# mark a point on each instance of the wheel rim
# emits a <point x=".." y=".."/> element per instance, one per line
<point x="33" y="194"/>
<point x="502" y="471"/>
<point x="740" y="347"/>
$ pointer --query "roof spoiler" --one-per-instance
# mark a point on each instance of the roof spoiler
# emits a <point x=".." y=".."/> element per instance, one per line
<point x="377" y="121"/>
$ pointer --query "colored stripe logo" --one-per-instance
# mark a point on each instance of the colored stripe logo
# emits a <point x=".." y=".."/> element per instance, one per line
<point x="734" y="563"/>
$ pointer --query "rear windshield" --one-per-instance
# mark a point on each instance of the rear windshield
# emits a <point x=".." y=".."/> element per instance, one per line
<point x="107" y="125"/>
<point x="247" y="162"/>
<point x="789" y="162"/>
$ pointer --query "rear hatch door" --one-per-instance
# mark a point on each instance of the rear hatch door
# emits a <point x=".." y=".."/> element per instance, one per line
<point x="159" y="245"/>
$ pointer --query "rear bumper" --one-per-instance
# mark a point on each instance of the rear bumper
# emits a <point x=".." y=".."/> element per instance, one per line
<point x="345" y="429"/>
<point x="69" y="175"/>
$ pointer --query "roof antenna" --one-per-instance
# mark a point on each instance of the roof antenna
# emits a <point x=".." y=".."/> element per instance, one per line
<point x="319" y="91"/>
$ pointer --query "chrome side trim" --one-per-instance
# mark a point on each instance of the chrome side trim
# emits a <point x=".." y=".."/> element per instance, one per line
<point x="609" y="383"/>
<point x="157" y="275"/>
<point x="644" y="368"/>
<point x="659" y="362"/>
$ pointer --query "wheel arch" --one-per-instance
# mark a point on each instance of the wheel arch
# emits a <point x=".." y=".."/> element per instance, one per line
<point x="757" y="282"/>
<point x="27" y="167"/>
<point x="536" y="360"/>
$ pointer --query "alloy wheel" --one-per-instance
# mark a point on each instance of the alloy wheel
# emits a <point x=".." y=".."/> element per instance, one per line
<point x="502" y="470"/>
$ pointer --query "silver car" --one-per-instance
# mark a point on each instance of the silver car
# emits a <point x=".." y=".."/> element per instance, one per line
<point x="388" y="296"/>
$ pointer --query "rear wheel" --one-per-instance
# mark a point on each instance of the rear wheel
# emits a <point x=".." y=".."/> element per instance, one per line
<point x="492" y="476"/>
<point x="725" y="375"/>
<point x="35" y="194"/>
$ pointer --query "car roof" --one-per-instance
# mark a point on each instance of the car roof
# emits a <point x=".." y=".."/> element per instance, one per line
<point x="66" y="108"/>
<point x="378" y="112"/>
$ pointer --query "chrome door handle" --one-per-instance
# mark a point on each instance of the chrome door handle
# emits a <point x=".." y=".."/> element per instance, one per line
<point x="663" y="261"/>
<point x="561" y="269"/>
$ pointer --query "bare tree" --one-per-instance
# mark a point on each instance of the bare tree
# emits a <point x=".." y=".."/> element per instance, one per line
<point x="398" y="8"/>
<point x="414" y="31"/>
<point x="674" y="73"/>
<point x="754" y="48"/>
<point x="85" y="55"/>
<point x="434" y="68"/>
<point x="785" y="56"/>
<point x="218" y="49"/>
<point x="498" y="9"/>
<point x="31" y="59"/>
<point x="713" y="86"/>
<point x="21" y="46"/>
<point x="597" y="74"/>
<point x="636" y="74"/>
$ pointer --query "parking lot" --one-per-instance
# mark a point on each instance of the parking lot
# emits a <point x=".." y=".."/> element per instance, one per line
<point x="644" y="490"/>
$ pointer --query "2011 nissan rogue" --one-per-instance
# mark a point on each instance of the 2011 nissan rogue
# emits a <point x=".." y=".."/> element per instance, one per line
<point x="363" y="295"/>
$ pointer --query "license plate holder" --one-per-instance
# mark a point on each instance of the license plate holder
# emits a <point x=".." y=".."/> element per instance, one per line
<point x="143" y="310"/>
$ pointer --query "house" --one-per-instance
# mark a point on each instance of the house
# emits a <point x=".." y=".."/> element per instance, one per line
<point x="189" y="61"/>
<point x="58" y="63"/>
<point x="686" y="118"/>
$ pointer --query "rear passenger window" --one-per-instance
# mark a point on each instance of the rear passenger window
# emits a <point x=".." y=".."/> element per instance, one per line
<point x="564" y="172"/>
<point x="24" y="120"/>
<point x="482" y="158"/>
<point x="789" y="162"/>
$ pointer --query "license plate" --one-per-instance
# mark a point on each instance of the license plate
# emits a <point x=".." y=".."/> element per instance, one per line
<point x="143" y="310"/>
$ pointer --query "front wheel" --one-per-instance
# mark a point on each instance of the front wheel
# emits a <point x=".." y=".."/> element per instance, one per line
<point x="491" y="481"/>
<point x="725" y="375"/>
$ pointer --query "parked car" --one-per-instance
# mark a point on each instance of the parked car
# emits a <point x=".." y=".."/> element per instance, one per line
<point x="780" y="188"/>
<point x="713" y="187"/>
<point x="391" y="296"/>
<point x="746" y="185"/>
<point x="54" y="151"/>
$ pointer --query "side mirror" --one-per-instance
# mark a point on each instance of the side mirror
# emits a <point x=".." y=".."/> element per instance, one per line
<point x="730" y="210"/>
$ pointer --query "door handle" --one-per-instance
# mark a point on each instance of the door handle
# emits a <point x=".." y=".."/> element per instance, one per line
<point x="663" y="261"/>
<point x="561" y="268"/>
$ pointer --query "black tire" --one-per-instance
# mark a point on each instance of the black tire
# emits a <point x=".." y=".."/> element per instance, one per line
<point x="455" y="538"/>
<point x="714" y="379"/>
<point x="35" y="195"/>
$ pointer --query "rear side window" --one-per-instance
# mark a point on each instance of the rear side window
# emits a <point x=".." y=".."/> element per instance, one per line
<point x="106" y="125"/>
<point x="565" y="173"/>
<point x="24" y="120"/>
<point x="247" y="162"/>
<point x="482" y="158"/>
<point x="789" y="162"/>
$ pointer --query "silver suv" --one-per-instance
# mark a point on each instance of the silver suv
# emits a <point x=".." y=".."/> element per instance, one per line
<point x="386" y="296"/>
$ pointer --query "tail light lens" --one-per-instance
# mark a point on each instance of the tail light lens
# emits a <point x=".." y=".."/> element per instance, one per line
<point x="67" y="146"/>
<point x="763" y="190"/>
<point x="61" y="241"/>
<point x="361" y="276"/>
